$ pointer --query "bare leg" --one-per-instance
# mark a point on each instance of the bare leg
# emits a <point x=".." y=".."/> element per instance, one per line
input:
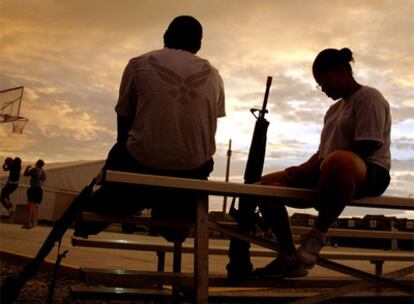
<point x="342" y="174"/>
<point x="35" y="214"/>
<point x="5" y="199"/>
<point x="276" y="215"/>
<point x="30" y="213"/>
<point x="5" y="202"/>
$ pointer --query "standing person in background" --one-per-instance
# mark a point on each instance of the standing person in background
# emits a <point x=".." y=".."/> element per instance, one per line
<point x="14" y="166"/>
<point x="35" y="192"/>
<point x="353" y="160"/>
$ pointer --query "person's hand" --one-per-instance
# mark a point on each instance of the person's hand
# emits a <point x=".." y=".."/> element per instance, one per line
<point x="275" y="179"/>
<point x="28" y="167"/>
<point x="292" y="172"/>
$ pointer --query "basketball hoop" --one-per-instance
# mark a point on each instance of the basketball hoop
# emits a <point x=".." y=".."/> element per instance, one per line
<point x="19" y="124"/>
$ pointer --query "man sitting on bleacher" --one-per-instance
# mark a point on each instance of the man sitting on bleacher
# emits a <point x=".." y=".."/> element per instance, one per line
<point x="169" y="102"/>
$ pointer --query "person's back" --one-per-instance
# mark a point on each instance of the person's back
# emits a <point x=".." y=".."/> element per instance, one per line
<point x="174" y="98"/>
<point x="178" y="98"/>
<point x="37" y="176"/>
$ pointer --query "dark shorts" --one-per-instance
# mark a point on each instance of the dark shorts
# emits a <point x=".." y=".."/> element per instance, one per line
<point x="7" y="190"/>
<point x="378" y="179"/>
<point x="35" y="195"/>
<point x="126" y="199"/>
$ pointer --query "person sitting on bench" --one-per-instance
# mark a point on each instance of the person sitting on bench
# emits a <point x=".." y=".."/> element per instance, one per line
<point x="353" y="160"/>
<point x="169" y="102"/>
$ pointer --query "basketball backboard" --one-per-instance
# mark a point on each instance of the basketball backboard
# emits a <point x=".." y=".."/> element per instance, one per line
<point x="10" y="103"/>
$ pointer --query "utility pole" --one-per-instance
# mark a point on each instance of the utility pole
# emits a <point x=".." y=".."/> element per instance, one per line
<point x="227" y="179"/>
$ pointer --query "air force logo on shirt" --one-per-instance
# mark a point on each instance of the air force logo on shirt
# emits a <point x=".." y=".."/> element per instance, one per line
<point x="182" y="89"/>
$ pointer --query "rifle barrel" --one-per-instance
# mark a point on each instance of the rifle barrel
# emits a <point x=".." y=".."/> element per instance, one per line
<point x="268" y="84"/>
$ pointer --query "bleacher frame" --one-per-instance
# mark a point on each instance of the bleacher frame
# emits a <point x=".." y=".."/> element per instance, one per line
<point x="200" y="285"/>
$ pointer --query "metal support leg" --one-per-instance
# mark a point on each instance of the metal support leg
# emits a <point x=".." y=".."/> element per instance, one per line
<point x="161" y="264"/>
<point x="201" y="251"/>
<point x="178" y="245"/>
<point x="378" y="267"/>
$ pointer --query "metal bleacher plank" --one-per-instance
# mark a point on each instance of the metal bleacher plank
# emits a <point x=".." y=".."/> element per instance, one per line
<point x="237" y="189"/>
<point x="82" y="292"/>
<point x="333" y="232"/>
<point x="354" y="287"/>
<point x="133" y="279"/>
<point x="256" y="295"/>
<point x="359" y="233"/>
<point x="259" y="252"/>
<point x="134" y="220"/>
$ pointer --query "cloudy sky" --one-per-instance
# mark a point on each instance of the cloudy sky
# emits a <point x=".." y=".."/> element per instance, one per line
<point x="69" y="56"/>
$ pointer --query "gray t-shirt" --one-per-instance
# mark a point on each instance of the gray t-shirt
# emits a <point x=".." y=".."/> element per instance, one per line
<point x="38" y="176"/>
<point x="175" y="98"/>
<point x="365" y="115"/>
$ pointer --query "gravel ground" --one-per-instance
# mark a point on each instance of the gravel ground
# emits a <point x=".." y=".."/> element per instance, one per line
<point x="35" y="290"/>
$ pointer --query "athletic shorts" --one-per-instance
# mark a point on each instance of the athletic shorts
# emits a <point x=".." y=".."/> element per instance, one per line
<point x="35" y="195"/>
<point x="378" y="179"/>
<point x="125" y="199"/>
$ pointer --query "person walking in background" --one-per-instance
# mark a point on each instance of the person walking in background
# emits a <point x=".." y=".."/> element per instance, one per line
<point x="35" y="192"/>
<point x="14" y="166"/>
<point x="169" y="102"/>
<point x="353" y="160"/>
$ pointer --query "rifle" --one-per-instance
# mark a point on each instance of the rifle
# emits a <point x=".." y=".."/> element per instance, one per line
<point x="10" y="289"/>
<point x="245" y="215"/>
<point x="255" y="159"/>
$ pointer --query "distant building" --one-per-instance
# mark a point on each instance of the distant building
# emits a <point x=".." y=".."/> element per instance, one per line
<point x="368" y="222"/>
<point x="303" y="219"/>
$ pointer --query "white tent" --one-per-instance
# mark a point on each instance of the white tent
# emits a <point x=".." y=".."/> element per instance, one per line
<point x="64" y="182"/>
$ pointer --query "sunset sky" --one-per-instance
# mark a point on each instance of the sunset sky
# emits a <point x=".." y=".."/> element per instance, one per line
<point x="70" y="55"/>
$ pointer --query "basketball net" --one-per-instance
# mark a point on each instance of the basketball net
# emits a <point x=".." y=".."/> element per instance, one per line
<point x="19" y="124"/>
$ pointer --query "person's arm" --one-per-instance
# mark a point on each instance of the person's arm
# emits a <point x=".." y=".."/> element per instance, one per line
<point x="126" y="106"/>
<point x="5" y="167"/>
<point x="123" y="125"/>
<point x="27" y="171"/>
<point x="370" y="116"/>
<point x="365" y="148"/>
<point x="291" y="172"/>
<point x="43" y="177"/>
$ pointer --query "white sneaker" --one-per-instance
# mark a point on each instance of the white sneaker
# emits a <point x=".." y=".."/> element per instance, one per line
<point x="310" y="247"/>
<point x="27" y="226"/>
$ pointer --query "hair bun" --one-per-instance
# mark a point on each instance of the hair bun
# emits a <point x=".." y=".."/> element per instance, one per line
<point x="346" y="54"/>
